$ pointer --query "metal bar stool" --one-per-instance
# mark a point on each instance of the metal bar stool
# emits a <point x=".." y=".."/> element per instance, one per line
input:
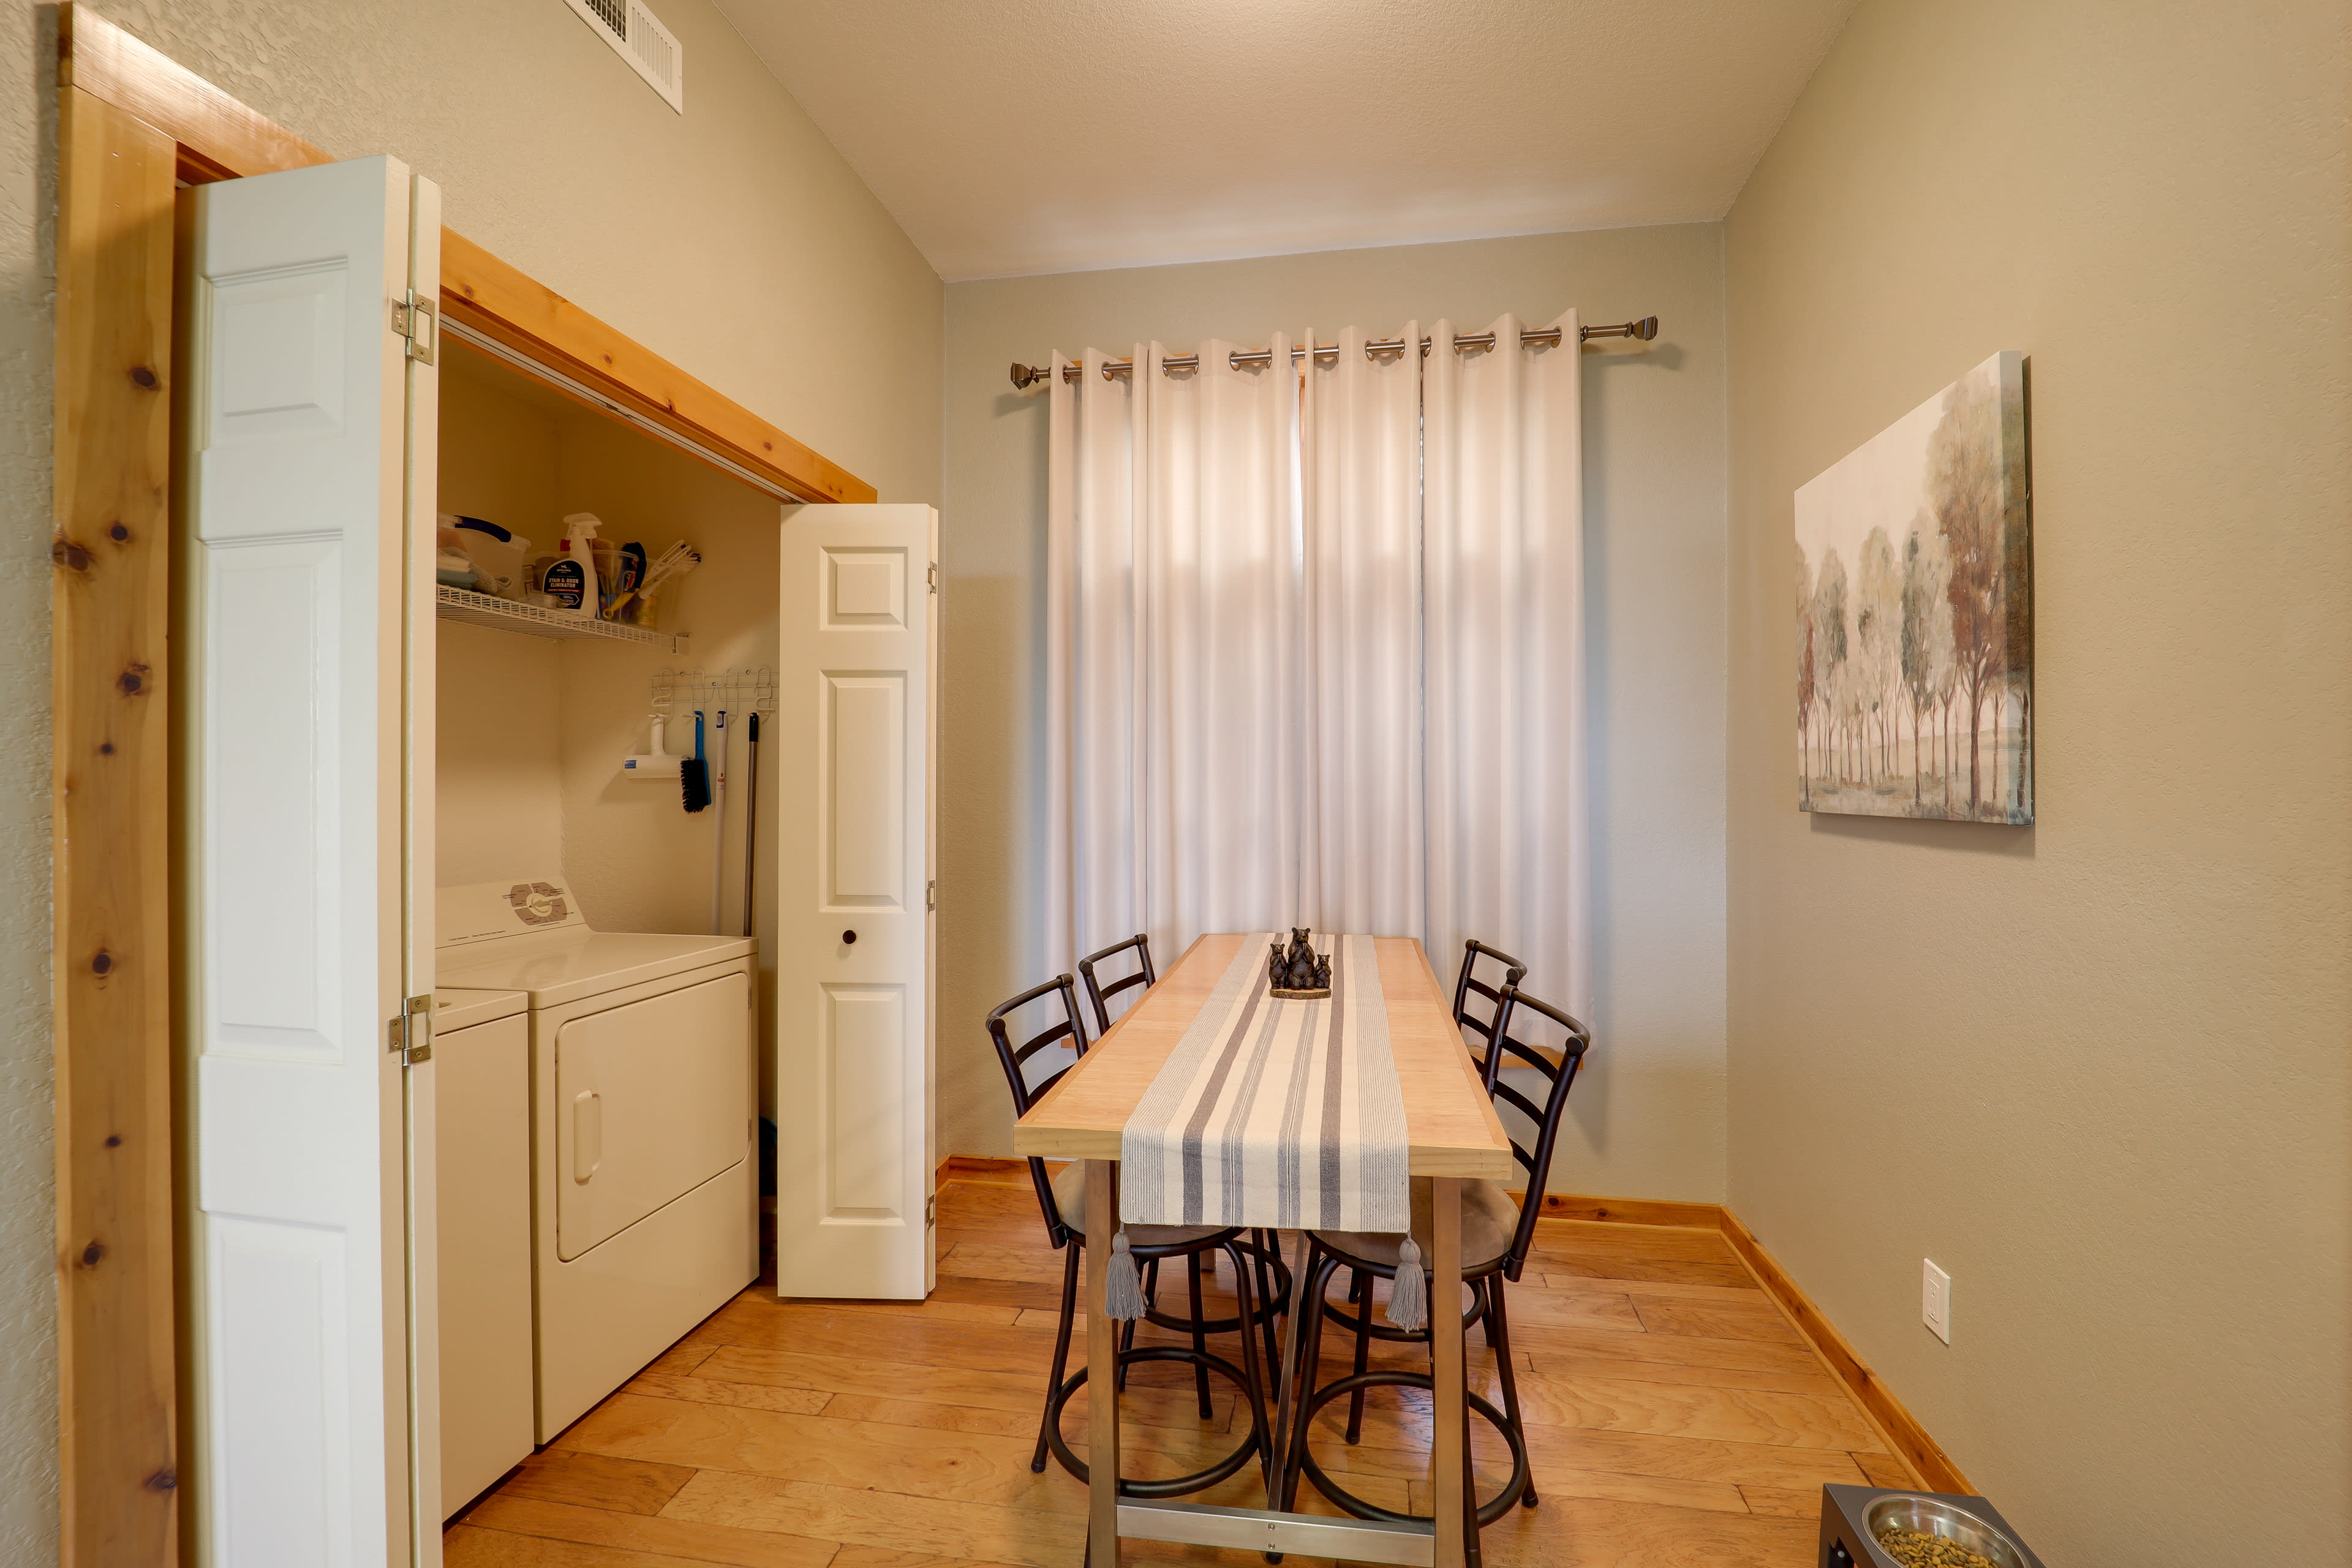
<point x="1466" y="985"/>
<point x="1496" y="1235"/>
<point x="1099" y="993"/>
<point x="1062" y="1201"/>
<point x="1261" y="1243"/>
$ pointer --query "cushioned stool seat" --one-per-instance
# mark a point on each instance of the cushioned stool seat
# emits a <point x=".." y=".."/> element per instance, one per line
<point x="1490" y="1218"/>
<point x="1070" y="1197"/>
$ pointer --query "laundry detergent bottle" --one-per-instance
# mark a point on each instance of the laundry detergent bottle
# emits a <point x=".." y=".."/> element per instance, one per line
<point x="570" y="580"/>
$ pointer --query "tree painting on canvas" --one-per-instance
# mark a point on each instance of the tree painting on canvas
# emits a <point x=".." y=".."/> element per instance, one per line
<point x="1914" y="613"/>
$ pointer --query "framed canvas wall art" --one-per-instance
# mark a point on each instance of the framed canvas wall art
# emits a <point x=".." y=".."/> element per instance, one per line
<point x="1914" y="613"/>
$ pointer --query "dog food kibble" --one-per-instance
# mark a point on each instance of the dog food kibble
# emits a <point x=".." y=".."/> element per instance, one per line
<point x="1917" y="1549"/>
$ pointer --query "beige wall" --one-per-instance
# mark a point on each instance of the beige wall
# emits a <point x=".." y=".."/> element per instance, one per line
<point x="732" y="239"/>
<point x="29" y="1389"/>
<point x="2096" y="1067"/>
<point x="1649" y="1115"/>
<point x="497" y="764"/>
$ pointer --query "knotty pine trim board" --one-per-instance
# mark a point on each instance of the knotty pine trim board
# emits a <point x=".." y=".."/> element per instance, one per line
<point x="995" y="1173"/>
<point x="109" y="824"/>
<point x="1630" y="1211"/>
<point x="219" y="138"/>
<point x="503" y="303"/>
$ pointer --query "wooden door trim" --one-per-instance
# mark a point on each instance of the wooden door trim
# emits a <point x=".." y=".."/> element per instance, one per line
<point x="110" y="832"/>
<point x="132" y="123"/>
<point x="219" y="138"/>
<point x="502" y="301"/>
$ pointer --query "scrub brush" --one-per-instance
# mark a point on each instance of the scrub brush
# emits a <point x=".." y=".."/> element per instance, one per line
<point x="694" y="774"/>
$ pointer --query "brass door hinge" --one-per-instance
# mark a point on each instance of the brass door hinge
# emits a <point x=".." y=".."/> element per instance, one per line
<point x="935" y="577"/>
<point x="931" y="895"/>
<point x="414" y="319"/>
<point x="412" y="1032"/>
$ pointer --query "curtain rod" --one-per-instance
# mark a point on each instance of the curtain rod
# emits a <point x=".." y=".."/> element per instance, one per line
<point x="1027" y="375"/>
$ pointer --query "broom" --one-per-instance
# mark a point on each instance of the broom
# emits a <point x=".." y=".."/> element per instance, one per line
<point x="694" y="774"/>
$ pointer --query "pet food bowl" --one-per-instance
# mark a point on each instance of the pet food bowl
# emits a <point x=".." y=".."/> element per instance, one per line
<point x="1932" y="1516"/>
<point x="1851" y="1517"/>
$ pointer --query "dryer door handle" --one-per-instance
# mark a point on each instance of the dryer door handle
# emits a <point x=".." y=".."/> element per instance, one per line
<point x="587" y="1133"/>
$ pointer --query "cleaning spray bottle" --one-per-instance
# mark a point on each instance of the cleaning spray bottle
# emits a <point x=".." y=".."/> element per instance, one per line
<point x="570" y="580"/>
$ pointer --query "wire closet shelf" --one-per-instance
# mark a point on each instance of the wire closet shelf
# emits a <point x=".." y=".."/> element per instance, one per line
<point x="1643" y="331"/>
<point x="473" y="609"/>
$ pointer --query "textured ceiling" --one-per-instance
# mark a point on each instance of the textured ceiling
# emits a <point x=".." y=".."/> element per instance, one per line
<point x="1020" y="136"/>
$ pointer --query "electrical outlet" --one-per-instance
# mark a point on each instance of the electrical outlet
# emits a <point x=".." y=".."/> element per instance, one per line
<point x="1936" y="1299"/>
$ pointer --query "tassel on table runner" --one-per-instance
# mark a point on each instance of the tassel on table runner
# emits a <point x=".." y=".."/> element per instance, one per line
<point x="1409" y="1300"/>
<point x="1123" y="1290"/>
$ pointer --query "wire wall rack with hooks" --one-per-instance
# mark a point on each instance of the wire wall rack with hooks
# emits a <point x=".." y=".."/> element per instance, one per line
<point x="736" y="690"/>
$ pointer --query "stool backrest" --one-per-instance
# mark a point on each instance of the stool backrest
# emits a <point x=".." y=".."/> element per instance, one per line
<point x="1015" y="1059"/>
<point x="1470" y="986"/>
<point x="1099" y="993"/>
<point x="1557" y="1066"/>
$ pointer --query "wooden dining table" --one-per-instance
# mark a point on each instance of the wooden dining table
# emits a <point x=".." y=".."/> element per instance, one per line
<point x="1452" y="1134"/>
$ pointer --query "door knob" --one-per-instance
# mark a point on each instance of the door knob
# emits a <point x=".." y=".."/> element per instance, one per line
<point x="849" y="936"/>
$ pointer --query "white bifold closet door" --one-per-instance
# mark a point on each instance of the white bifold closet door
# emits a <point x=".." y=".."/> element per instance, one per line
<point x="305" y="635"/>
<point x="855" y="730"/>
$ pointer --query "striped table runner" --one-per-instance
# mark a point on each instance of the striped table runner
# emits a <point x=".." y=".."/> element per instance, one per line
<point x="1276" y="1113"/>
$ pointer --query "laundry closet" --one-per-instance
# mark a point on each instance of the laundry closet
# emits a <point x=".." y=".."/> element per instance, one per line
<point x="597" y="1146"/>
<point x="505" y="939"/>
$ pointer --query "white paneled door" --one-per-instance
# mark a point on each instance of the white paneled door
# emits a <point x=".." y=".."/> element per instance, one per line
<point x="857" y="719"/>
<point x="305" y="629"/>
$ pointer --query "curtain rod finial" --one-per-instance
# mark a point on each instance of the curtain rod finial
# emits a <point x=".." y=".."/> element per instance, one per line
<point x="1025" y="376"/>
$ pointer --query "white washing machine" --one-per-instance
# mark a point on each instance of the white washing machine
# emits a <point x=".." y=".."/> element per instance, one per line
<point x="645" y="1187"/>
<point x="481" y="1141"/>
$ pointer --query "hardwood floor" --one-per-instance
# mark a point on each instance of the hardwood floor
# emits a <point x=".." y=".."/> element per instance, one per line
<point x="1674" y="1420"/>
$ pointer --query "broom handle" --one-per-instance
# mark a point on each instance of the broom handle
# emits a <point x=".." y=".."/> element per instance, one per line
<point x="718" y="837"/>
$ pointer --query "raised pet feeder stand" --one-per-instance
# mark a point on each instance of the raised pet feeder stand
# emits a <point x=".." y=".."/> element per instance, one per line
<point x="1851" y="1517"/>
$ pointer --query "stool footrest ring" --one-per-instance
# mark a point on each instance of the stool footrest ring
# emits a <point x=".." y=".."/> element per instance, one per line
<point x="1489" y="1511"/>
<point x="1198" y="1480"/>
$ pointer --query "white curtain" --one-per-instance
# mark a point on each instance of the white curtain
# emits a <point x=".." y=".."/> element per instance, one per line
<point x="1363" y="867"/>
<point x="1315" y="645"/>
<point x="1503" y="548"/>
<point x="1174" y="678"/>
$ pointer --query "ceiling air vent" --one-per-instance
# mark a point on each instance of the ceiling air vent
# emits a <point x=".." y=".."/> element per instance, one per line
<point x="638" y="37"/>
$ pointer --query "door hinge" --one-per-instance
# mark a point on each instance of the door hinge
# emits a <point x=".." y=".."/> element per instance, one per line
<point x="935" y="577"/>
<point x="931" y="1211"/>
<point x="412" y="1032"/>
<point x="931" y="895"/>
<point x="414" y="319"/>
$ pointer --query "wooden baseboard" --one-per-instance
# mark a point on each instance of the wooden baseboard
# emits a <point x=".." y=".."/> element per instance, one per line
<point x="1630" y="1211"/>
<point x="1926" y="1455"/>
<point x="1921" y="1452"/>
<point x="973" y="1168"/>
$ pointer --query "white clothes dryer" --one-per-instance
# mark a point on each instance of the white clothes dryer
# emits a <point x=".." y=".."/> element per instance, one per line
<point x="645" y="1187"/>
